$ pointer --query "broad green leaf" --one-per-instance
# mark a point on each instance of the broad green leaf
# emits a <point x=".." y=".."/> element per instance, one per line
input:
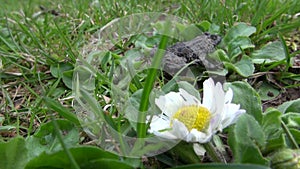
<point x="237" y="45"/>
<point x="64" y="71"/>
<point x="67" y="78"/>
<point x="61" y="110"/>
<point x="13" y="154"/>
<point x="204" y="25"/>
<point x="245" y="139"/>
<point x="275" y="144"/>
<point x="241" y="29"/>
<point x="292" y="120"/>
<point x="244" y="67"/>
<point x="296" y="135"/>
<point x="271" y="125"/>
<point x="58" y="69"/>
<point x="290" y="106"/>
<point x="221" y="166"/>
<point x="291" y="125"/>
<point x="221" y="55"/>
<point x="107" y="164"/>
<point x="272" y="52"/>
<point x="83" y="155"/>
<point x="248" y="98"/>
<point x="46" y="139"/>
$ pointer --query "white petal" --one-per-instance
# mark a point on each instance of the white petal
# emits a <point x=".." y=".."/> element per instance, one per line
<point x="199" y="149"/>
<point x="165" y="134"/>
<point x="232" y="112"/>
<point x="208" y="93"/>
<point x="217" y="114"/>
<point x="159" y="123"/>
<point x="169" y="103"/>
<point x="189" y="99"/>
<point x="198" y="136"/>
<point x="215" y="122"/>
<point x="179" y="129"/>
<point x="228" y="96"/>
<point x="219" y="97"/>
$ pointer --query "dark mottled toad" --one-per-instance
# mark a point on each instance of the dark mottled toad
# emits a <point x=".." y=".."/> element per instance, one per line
<point x="196" y="50"/>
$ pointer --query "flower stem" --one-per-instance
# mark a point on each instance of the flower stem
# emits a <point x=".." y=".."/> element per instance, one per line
<point x="213" y="153"/>
<point x="289" y="135"/>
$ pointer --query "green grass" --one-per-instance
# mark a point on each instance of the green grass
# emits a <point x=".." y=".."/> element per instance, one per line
<point x="40" y="42"/>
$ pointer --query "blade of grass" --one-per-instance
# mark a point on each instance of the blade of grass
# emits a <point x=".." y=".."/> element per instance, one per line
<point x="141" y="126"/>
<point x="28" y="32"/>
<point x="60" y="138"/>
<point x="280" y="28"/>
<point x="66" y="41"/>
<point x="133" y="74"/>
<point x="6" y="95"/>
<point x="64" y="112"/>
<point x="275" y="16"/>
<point x="286" y="52"/>
<point x="260" y="12"/>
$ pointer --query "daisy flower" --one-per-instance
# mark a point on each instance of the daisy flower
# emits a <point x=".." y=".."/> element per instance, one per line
<point x="185" y="117"/>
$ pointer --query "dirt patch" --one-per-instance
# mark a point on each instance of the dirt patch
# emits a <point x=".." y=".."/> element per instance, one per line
<point x="288" y="95"/>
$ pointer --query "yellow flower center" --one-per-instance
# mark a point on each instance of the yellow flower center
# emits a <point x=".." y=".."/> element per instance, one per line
<point x="194" y="117"/>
